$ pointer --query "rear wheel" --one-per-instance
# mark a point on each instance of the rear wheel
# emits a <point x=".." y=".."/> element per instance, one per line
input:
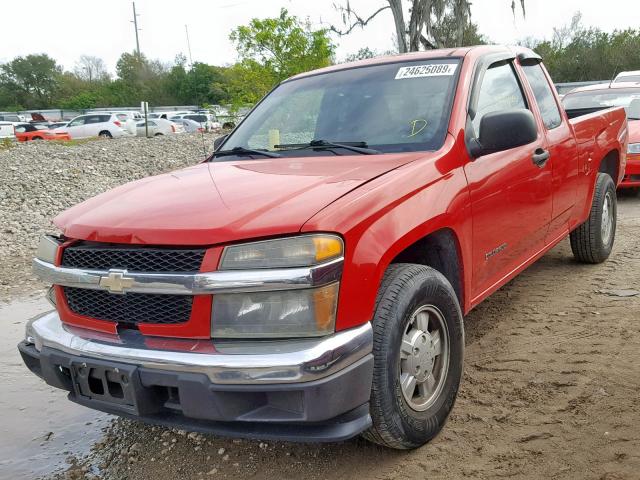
<point x="418" y="354"/>
<point x="105" y="134"/>
<point x="592" y="241"/>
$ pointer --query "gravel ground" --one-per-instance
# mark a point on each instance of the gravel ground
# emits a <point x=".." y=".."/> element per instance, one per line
<point x="38" y="180"/>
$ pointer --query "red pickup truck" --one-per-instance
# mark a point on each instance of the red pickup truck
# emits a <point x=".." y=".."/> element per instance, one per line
<point x="309" y="280"/>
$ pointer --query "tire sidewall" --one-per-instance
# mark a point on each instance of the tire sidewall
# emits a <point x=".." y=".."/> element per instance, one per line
<point x="426" y="288"/>
<point x="605" y="185"/>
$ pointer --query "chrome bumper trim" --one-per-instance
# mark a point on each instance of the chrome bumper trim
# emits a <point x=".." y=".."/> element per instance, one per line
<point x="234" y="362"/>
<point x="223" y="281"/>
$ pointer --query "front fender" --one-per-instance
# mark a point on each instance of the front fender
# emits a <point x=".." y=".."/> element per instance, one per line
<point x="389" y="215"/>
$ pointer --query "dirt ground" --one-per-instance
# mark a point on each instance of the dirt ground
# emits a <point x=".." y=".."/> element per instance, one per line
<point x="551" y="390"/>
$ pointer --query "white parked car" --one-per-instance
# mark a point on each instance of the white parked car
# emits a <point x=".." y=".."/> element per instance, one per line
<point x="207" y="120"/>
<point x="632" y="76"/>
<point x="7" y="130"/>
<point x="157" y="127"/>
<point x="130" y="119"/>
<point x="12" y="118"/>
<point x="106" y="125"/>
<point x="189" y="126"/>
<point x="167" y="115"/>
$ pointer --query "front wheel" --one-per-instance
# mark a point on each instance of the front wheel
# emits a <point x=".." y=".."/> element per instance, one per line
<point x="418" y="354"/>
<point x="592" y="241"/>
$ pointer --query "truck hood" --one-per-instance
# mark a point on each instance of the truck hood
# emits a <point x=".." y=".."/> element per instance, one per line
<point x="224" y="201"/>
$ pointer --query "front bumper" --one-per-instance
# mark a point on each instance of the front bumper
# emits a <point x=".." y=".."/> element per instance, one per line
<point x="295" y="390"/>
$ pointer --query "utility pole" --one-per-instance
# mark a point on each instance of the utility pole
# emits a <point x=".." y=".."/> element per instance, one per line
<point x="135" y="24"/>
<point x="186" y="29"/>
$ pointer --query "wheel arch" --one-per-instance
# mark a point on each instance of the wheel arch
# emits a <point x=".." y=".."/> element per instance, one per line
<point x="610" y="164"/>
<point x="440" y="250"/>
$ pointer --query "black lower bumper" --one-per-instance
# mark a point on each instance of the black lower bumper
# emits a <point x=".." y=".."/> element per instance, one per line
<point x="330" y="409"/>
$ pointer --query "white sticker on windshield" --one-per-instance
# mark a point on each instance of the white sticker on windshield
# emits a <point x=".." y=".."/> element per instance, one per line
<point x="431" y="70"/>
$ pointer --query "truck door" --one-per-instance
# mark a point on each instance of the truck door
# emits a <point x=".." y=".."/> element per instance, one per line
<point x="560" y="143"/>
<point x="510" y="190"/>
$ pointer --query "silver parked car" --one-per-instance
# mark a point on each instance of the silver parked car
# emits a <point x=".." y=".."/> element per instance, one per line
<point x="157" y="127"/>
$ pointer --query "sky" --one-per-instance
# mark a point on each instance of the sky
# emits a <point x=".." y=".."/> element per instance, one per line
<point x="69" y="28"/>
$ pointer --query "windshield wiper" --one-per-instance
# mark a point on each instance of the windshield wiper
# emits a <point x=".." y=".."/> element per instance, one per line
<point x="246" y="151"/>
<point x="358" y="147"/>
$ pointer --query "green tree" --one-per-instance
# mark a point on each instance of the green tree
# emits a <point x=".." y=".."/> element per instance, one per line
<point x="246" y="82"/>
<point x="33" y="80"/>
<point x="576" y="53"/>
<point x="283" y="45"/>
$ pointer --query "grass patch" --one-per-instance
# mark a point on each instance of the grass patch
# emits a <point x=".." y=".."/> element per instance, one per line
<point x="73" y="143"/>
<point x="6" y="144"/>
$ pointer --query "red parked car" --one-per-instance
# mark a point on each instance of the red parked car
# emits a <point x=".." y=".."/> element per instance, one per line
<point x="309" y="280"/>
<point x="597" y="97"/>
<point x="27" y="131"/>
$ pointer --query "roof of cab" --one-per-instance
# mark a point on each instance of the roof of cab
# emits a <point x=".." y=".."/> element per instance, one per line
<point x="459" y="52"/>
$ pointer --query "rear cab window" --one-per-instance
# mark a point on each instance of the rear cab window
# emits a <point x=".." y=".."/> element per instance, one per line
<point x="543" y="94"/>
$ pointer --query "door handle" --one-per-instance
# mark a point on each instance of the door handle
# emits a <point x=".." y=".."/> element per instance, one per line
<point x="540" y="157"/>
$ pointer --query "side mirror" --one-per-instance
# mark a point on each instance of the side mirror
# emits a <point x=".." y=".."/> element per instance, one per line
<point x="219" y="141"/>
<point x="503" y="130"/>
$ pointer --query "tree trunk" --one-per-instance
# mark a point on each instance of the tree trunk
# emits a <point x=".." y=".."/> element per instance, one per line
<point x="398" y="18"/>
<point x="420" y="13"/>
<point x="460" y="10"/>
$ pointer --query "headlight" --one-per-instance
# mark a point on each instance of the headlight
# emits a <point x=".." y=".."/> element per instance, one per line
<point x="48" y="248"/>
<point x="287" y="313"/>
<point x="308" y="312"/>
<point x="634" y="148"/>
<point x="302" y="251"/>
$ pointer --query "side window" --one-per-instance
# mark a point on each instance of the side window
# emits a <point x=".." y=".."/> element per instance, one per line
<point x="77" y="122"/>
<point x="103" y="118"/>
<point x="544" y="96"/>
<point x="92" y="119"/>
<point x="500" y="90"/>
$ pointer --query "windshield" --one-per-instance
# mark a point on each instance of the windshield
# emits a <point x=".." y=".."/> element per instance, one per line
<point x="629" y="98"/>
<point x="628" y="78"/>
<point x="398" y="107"/>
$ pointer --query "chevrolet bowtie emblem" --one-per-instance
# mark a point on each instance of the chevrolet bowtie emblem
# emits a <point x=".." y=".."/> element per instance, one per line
<point x="116" y="282"/>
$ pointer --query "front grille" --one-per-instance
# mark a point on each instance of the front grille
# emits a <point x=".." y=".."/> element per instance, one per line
<point x="130" y="308"/>
<point x="98" y="256"/>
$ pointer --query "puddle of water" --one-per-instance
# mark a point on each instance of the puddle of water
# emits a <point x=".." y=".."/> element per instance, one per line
<point x="39" y="427"/>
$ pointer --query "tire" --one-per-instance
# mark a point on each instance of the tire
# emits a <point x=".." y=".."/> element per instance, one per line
<point x="105" y="134"/>
<point x="592" y="241"/>
<point x="408" y="420"/>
